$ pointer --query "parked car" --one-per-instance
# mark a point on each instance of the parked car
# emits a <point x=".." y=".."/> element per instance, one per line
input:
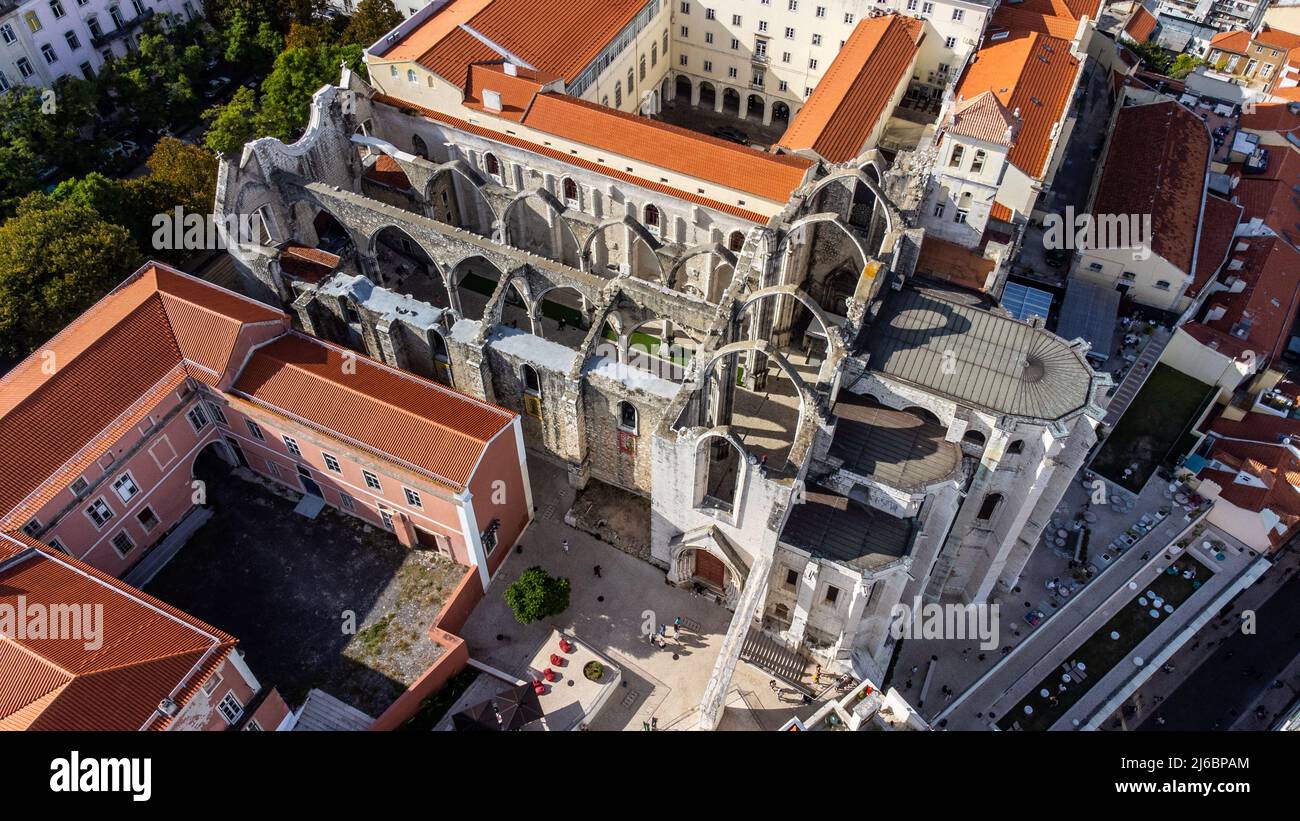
<point x="215" y="87"/>
<point x="731" y="134"/>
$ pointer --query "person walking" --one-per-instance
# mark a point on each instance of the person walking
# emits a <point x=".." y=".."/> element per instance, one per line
<point x="596" y="569"/>
<point x="565" y="545"/>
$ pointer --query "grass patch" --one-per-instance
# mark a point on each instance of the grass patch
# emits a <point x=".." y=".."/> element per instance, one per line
<point x="1100" y="653"/>
<point x="1158" y="418"/>
<point x="370" y="640"/>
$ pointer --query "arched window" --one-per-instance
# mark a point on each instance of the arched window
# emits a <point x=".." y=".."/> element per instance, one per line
<point x="532" y="382"/>
<point x="1017" y="446"/>
<point x="642" y="66"/>
<point x="493" y="166"/>
<point x="652" y="217"/>
<point x="990" y="506"/>
<point x="974" y="437"/>
<point x="410" y="76"/>
<point x="627" y="417"/>
<point x="571" y="194"/>
<point x="736" y="241"/>
<point x="618" y="95"/>
<point x="420" y="146"/>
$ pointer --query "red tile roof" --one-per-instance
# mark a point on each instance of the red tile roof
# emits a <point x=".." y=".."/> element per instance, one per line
<point x="1000" y="212"/>
<point x="501" y="137"/>
<point x="1032" y="75"/>
<point x="1270" y="117"/>
<point x="1156" y="164"/>
<point x="1217" y="226"/>
<point x="1016" y="18"/>
<point x="984" y="117"/>
<point x="558" y="37"/>
<point x="309" y="264"/>
<point x="853" y="95"/>
<point x="1271" y="196"/>
<point x="1261" y="314"/>
<point x="386" y="171"/>
<point x="135" y="345"/>
<point x="1141" y="25"/>
<point x="770" y="176"/>
<point x="418" y="423"/>
<point x="1236" y="41"/>
<point x="954" y="264"/>
<point x="1273" y="465"/>
<point x="516" y="91"/>
<point x="149" y="650"/>
<point x="1276" y="38"/>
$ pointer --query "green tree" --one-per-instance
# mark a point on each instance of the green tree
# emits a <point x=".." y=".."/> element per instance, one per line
<point x="189" y="169"/>
<point x="371" y="21"/>
<point x="40" y="129"/>
<point x="233" y="124"/>
<point x="536" y="595"/>
<point x="1153" y="57"/>
<point x="1183" y="65"/>
<point x="251" y="40"/>
<point x="56" y="259"/>
<point x="298" y="74"/>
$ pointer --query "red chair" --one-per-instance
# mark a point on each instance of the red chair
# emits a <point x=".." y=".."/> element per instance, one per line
<point x="548" y="674"/>
<point x="566" y="646"/>
<point x="558" y="661"/>
<point x="538" y="687"/>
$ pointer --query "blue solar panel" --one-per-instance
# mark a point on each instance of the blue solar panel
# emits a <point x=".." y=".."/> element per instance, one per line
<point x="1022" y="302"/>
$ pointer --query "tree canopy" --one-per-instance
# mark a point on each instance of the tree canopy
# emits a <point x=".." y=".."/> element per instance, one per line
<point x="536" y="595"/>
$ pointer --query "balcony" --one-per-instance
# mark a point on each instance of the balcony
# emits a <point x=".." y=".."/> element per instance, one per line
<point x="121" y="31"/>
<point x="761" y="59"/>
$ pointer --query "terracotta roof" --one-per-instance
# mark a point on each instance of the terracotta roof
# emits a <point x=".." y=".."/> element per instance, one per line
<point x="1032" y="75"/>
<point x="148" y="651"/>
<point x="1237" y="41"/>
<point x="1273" y="465"/>
<point x="1141" y="24"/>
<point x="386" y="171"/>
<point x="558" y="37"/>
<point x="983" y="117"/>
<point x="1156" y="165"/>
<point x="501" y="137"/>
<point x="954" y="263"/>
<point x="1276" y="38"/>
<point x="853" y="95"/>
<point x="1271" y="196"/>
<point x="1261" y="314"/>
<point x="1290" y="93"/>
<point x="1015" y="18"/>
<point x="309" y="264"/>
<point x="1270" y="117"/>
<point x="1217" y="226"/>
<point x="770" y="176"/>
<point x="422" y="425"/>
<point x="133" y="346"/>
<point x="516" y="91"/>
<point x="1000" y="212"/>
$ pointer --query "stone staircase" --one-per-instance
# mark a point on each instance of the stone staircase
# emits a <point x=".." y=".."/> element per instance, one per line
<point x="1136" y="377"/>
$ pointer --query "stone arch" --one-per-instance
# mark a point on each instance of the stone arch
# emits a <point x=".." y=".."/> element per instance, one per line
<point x="829" y="328"/>
<point x="683" y="89"/>
<point x="516" y="308"/>
<point x="672" y="280"/>
<point x="720" y="485"/>
<point x="833" y="219"/>
<point x="436" y="293"/>
<point x="780" y="112"/>
<point x="419" y="147"/>
<point x="454" y="195"/>
<point x="807" y="399"/>
<point x="755" y="103"/>
<point x="559" y="319"/>
<point x="465" y="280"/>
<point x="883" y="203"/>
<point x="708" y="94"/>
<point x="545" y="232"/>
<point x="639" y="233"/>
<point x="730" y="101"/>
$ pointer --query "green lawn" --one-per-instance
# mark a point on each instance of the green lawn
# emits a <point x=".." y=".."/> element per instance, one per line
<point x="1159" y="416"/>
<point x="1100" y="653"/>
<point x="650" y="344"/>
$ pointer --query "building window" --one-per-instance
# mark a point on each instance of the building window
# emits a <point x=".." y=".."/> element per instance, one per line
<point x="960" y="216"/>
<point x="848" y="18"/>
<point x="732" y="72"/>
<point x="230" y="708"/>
<point x="990" y="506"/>
<point x="346" y="502"/>
<point x="123" y="544"/>
<point x="817" y="40"/>
<point x="789" y="33"/>
<point x="147" y="519"/>
<point x="832" y="594"/>
<point x="48" y="52"/>
<point x="99" y="512"/>
<point x="708" y="66"/>
<point x="735" y="19"/>
<point x="791" y="578"/>
<point x="681" y="59"/>
<point x="25" y="67"/>
<point x="372" y="481"/>
<point x="79" y="486"/>
<point x="218" y="414"/>
<point x="32" y="528"/>
<point x="618" y="94"/>
<point x="492" y="166"/>
<point x="198" y="419"/>
<point x="412" y="498"/>
<point x="958" y="14"/>
<point x="292" y="446"/>
<point x="255" y="430"/>
<point x="652" y="218"/>
<point x="58" y="545"/>
<point x="387" y="518"/>
<point x="332" y="463"/>
<point x="532" y="382"/>
<point x="1017" y="446"/>
<point x="710" y="15"/>
<point x="33" y="22"/>
<point x="954" y="161"/>
<point x="7" y="34"/>
<point x="273" y="468"/>
<point x="686" y="7"/>
<point x="571" y="195"/>
<point x="977" y="164"/>
<point x="125" y="487"/>
<point x="736" y="241"/>
<point x="812" y="64"/>
<point x="627" y="417"/>
<point x="73" y="42"/>
<point x="1163" y="284"/>
<point x="821" y="12"/>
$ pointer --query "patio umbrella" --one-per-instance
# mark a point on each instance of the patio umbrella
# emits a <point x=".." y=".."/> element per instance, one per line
<point x="479" y="718"/>
<point x="518" y="706"/>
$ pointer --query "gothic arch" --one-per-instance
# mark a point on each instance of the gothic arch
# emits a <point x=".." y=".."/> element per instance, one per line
<point x="716" y="248"/>
<point x="831" y="330"/>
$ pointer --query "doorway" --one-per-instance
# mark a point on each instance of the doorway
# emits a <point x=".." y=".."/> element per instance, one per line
<point x="308" y="483"/>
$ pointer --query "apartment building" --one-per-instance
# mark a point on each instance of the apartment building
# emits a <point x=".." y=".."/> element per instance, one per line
<point x="43" y="40"/>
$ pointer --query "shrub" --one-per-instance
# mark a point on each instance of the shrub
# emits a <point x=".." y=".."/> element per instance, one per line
<point x="536" y="595"/>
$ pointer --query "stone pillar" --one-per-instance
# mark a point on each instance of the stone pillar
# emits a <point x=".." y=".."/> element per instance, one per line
<point x="695" y="94"/>
<point x="803" y="603"/>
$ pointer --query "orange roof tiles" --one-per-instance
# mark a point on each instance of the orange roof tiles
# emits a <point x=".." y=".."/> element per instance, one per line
<point x="1014" y="18"/>
<point x="618" y="174"/>
<point x="312" y="264"/>
<point x="770" y="176"/>
<point x="1270" y="196"/>
<point x="558" y="37"/>
<point x="1236" y="41"/>
<point x="1218" y="224"/>
<point x="1000" y="212"/>
<point x="387" y="171"/>
<point x="983" y="117"/>
<point x="134" y="345"/>
<point x="1031" y="74"/>
<point x="1277" y="469"/>
<point x="1270" y="117"/>
<point x="148" y="651"/>
<point x="1277" y="38"/>
<point x="516" y="92"/>
<point x="1260" y="315"/>
<point x="421" y="424"/>
<point x="1141" y="25"/>
<point x="954" y="263"/>
<point x="853" y="95"/>
<point x="1156" y="164"/>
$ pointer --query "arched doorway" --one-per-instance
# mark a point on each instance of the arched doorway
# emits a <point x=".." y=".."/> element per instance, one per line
<point x="757" y="108"/>
<point x="562" y="317"/>
<point x="682" y="91"/>
<point x="407" y="267"/>
<point x="419" y="147"/>
<point x="330" y="234"/>
<point x="731" y="102"/>
<point x="708" y="95"/>
<point x="780" y="113"/>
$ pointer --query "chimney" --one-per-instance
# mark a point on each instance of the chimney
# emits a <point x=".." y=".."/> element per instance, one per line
<point x="510" y="69"/>
<point x="491" y="100"/>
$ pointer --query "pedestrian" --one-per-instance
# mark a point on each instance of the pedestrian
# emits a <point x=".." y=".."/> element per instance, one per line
<point x="565" y="545"/>
<point x="772" y="684"/>
<point x="677" y="622"/>
<point x="596" y="569"/>
<point x="654" y="723"/>
<point x="645" y="725"/>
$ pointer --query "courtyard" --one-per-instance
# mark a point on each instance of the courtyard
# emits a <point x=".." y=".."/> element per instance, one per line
<point x="1161" y="414"/>
<point x="285" y="586"/>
